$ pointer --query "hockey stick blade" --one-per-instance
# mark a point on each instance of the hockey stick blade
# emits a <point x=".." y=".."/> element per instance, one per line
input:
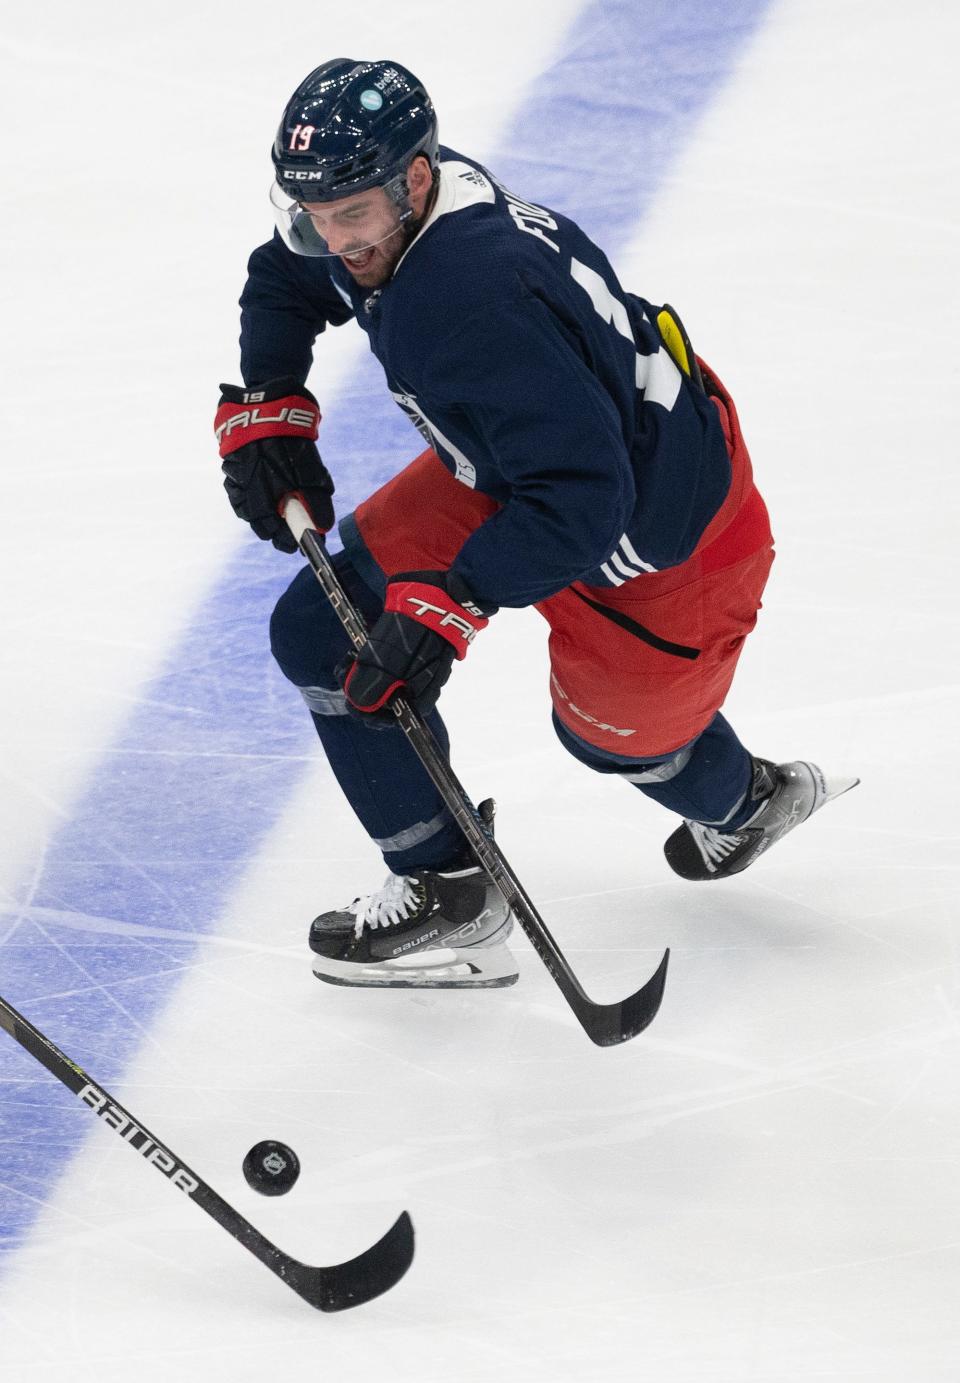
<point x="335" y="1288"/>
<point x="360" y="1279"/>
<point x="609" y="1024"/>
<point x="604" y="1024"/>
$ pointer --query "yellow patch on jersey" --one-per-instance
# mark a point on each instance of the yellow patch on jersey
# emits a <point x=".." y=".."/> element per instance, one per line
<point x="675" y="339"/>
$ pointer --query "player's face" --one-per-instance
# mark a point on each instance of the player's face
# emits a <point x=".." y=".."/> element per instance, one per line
<point x="363" y="231"/>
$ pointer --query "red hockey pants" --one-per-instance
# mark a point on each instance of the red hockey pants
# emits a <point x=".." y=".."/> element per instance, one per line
<point x="637" y="670"/>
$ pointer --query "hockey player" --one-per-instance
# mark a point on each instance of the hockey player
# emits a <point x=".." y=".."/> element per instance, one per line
<point x="580" y="458"/>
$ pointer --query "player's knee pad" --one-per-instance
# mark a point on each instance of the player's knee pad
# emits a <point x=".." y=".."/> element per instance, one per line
<point x="635" y="770"/>
<point x="306" y="637"/>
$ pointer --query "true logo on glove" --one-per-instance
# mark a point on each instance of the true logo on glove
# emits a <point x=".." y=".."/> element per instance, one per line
<point x="252" y="417"/>
<point x="417" y="596"/>
<point x="466" y="630"/>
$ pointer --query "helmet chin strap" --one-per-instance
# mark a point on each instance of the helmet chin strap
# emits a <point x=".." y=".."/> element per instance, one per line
<point x="411" y="225"/>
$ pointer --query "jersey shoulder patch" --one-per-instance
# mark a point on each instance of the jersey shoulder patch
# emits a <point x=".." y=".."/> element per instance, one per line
<point x="462" y="185"/>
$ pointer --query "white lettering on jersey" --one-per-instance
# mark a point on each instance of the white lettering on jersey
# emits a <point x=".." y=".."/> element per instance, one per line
<point x="659" y="378"/>
<point x="611" y="309"/>
<point x="529" y="218"/>
<point x="466" y="471"/>
<point x="656" y="374"/>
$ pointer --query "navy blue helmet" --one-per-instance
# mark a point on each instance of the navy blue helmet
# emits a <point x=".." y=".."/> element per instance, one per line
<point x="352" y="125"/>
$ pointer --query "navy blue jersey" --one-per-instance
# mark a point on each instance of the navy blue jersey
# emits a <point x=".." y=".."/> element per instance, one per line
<point x="506" y="337"/>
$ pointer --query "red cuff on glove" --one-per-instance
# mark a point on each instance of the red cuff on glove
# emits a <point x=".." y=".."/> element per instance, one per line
<point x="432" y="606"/>
<point x="236" y="424"/>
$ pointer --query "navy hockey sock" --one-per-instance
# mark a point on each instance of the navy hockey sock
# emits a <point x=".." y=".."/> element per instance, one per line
<point x="378" y="771"/>
<point x="706" y="780"/>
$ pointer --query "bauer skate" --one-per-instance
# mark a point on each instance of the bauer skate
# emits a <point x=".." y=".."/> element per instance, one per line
<point x="787" y="795"/>
<point x="432" y="929"/>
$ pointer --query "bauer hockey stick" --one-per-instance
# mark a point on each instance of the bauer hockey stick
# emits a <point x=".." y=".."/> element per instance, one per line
<point x="604" y="1024"/>
<point x="329" y="1289"/>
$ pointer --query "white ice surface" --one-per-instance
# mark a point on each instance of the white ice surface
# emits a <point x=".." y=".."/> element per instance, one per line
<point x="763" y="1187"/>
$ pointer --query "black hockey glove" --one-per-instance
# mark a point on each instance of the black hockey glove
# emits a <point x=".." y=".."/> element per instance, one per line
<point x="429" y="618"/>
<point x="267" y="438"/>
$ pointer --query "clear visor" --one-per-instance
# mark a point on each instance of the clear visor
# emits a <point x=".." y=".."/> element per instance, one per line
<point x="349" y="226"/>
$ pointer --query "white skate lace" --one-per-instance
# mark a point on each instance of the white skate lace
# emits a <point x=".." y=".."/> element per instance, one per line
<point x="391" y="904"/>
<point x="713" y="845"/>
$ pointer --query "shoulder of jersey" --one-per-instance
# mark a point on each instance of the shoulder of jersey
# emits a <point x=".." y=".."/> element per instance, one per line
<point x="473" y="241"/>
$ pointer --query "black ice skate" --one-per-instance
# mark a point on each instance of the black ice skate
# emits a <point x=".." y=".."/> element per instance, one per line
<point x="432" y="929"/>
<point x="787" y="793"/>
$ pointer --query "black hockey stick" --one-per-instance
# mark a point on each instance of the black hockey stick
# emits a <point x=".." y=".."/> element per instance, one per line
<point x="330" y="1289"/>
<point x="605" y="1024"/>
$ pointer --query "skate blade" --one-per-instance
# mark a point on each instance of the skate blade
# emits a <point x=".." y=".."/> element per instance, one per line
<point x="482" y="968"/>
<point x="828" y="789"/>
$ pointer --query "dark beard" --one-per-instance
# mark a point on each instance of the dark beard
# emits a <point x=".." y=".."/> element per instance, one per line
<point x="389" y="253"/>
<point x="407" y="234"/>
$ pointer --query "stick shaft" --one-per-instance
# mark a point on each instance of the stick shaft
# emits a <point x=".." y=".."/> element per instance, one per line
<point x="328" y="1288"/>
<point x="604" y="1024"/>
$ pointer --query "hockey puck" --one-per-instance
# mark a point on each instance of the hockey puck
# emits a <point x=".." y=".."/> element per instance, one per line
<point x="271" y="1168"/>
